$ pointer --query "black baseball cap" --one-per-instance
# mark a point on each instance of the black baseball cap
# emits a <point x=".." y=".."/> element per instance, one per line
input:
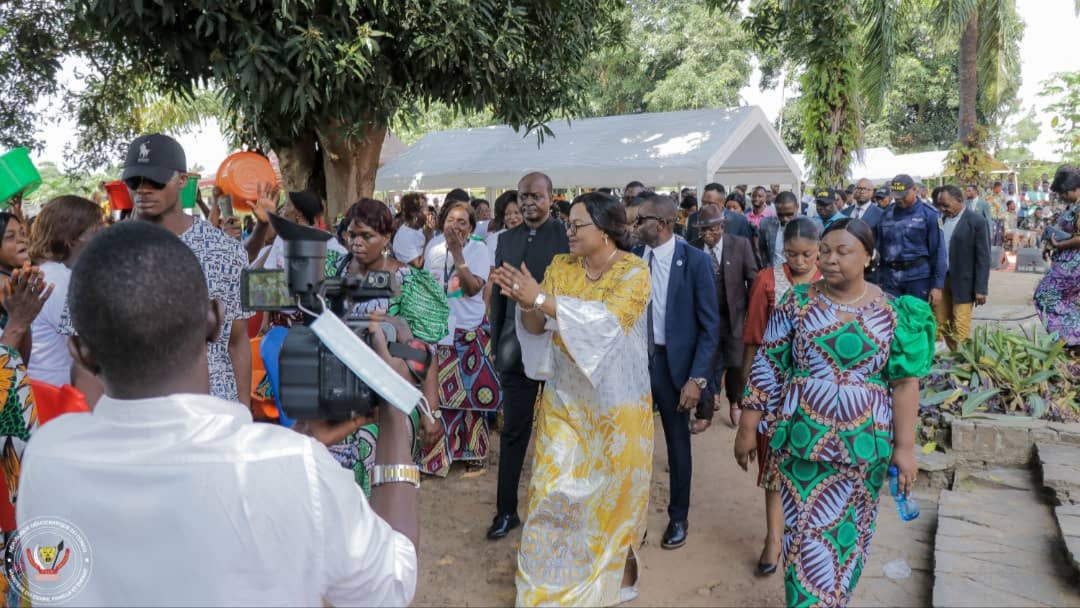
<point x="901" y="184"/>
<point x="156" y="157"/>
<point x="824" y="196"/>
<point x="881" y="193"/>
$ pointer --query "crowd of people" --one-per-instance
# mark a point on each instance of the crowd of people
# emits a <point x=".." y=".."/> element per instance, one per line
<point x="574" y="322"/>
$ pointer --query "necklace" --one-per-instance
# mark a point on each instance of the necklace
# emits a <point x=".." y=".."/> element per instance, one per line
<point x="588" y="274"/>
<point x="836" y="300"/>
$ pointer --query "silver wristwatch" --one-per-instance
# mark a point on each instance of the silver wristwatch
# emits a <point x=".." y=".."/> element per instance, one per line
<point x="700" y="382"/>
<point x="539" y="301"/>
<point x="395" y="473"/>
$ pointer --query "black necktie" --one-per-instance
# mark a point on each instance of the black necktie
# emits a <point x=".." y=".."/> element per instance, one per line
<point x="649" y="315"/>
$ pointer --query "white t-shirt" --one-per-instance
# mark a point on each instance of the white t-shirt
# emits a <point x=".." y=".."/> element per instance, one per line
<point x="275" y="260"/>
<point x="492" y="242"/>
<point x="239" y="513"/>
<point x="482" y="229"/>
<point x="50" y="361"/>
<point x="466" y="312"/>
<point x="408" y="244"/>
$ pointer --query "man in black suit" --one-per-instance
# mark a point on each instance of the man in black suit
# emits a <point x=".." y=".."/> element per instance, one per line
<point x="770" y="242"/>
<point x="864" y="208"/>
<point x="682" y="335"/>
<point x="734" y="268"/>
<point x="967" y="244"/>
<point x="539" y="239"/>
<point x="736" y="223"/>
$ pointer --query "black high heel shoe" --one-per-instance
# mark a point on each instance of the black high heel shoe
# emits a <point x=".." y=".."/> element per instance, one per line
<point x="765" y="569"/>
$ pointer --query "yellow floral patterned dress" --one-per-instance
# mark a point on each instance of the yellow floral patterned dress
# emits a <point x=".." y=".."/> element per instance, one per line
<point x="589" y="493"/>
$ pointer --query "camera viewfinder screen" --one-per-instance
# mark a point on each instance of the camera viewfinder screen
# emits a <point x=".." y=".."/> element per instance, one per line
<point x="266" y="290"/>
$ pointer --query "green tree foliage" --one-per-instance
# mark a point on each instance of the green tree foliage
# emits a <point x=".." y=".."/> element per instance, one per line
<point x="1017" y="139"/>
<point x="825" y="40"/>
<point x="1064" y="88"/>
<point x="55" y="182"/>
<point x="679" y="55"/>
<point x="320" y="81"/>
<point x="851" y="55"/>
<point x="32" y="34"/>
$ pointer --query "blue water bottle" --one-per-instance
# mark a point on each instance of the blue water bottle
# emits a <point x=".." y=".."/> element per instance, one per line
<point x="905" y="505"/>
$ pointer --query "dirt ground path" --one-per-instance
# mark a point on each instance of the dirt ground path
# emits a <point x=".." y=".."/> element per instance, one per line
<point x="460" y="567"/>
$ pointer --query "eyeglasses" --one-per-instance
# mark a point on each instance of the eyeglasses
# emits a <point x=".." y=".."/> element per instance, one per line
<point x="133" y="183"/>
<point x="573" y="228"/>
<point x="641" y="219"/>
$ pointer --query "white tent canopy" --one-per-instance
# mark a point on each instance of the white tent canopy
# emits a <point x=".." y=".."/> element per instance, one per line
<point x="691" y="147"/>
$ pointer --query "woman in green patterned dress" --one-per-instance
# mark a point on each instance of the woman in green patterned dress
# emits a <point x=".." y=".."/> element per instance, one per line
<point x="840" y="369"/>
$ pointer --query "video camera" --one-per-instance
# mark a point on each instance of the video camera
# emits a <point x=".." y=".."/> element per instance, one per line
<point x="313" y="383"/>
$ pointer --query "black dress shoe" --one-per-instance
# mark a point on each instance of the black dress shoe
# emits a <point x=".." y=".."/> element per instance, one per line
<point x="501" y="526"/>
<point x="765" y="569"/>
<point x="675" y="535"/>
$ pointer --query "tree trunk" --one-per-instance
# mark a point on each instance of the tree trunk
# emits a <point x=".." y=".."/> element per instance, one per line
<point x="299" y="164"/>
<point x="350" y="164"/>
<point x="968" y="80"/>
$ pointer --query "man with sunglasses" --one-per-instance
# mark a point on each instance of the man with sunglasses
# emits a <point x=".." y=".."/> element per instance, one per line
<point x="155" y="172"/>
<point x="683" y="326"/>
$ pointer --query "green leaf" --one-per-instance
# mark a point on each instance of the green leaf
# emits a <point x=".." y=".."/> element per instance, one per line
<point x="975" y="400"/>
<point x="941" y="397"/>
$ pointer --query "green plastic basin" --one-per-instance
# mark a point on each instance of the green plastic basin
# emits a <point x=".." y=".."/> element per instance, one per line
<point x="17" y="175"/>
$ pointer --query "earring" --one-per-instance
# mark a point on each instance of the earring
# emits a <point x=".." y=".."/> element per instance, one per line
<point x="605" y="240"/>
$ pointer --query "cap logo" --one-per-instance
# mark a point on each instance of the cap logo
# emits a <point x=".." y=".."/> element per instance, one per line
<point x="144" y="152"/>
<point x="899" y="186"/>
<point x="823" y="193"/>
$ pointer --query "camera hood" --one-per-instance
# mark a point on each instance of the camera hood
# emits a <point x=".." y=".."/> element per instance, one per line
<point x="305" y="251"/>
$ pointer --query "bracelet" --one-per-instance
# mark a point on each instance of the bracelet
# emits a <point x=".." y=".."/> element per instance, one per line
<point x="461" y="266"/>
<point x="382" y="474"/>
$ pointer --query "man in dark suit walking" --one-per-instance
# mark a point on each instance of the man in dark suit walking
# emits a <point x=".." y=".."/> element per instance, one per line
<point x="683" y="324"/>
<point x="967" y="245"/>
<point x="737" y="223"/>
<point x="734" y="268"/>
<point x="535" y="242"/>
<point x="864" y="208"/>
<point x="770" y="242"/>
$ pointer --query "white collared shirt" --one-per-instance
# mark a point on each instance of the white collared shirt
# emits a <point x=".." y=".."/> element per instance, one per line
<point x="860" y="210"/>
<point x="183" y="500"/>
<point x="660" y="275"/>
<point x="948" y="225"/>
<point x="717" y="252"/>
<point x="778" y="257"/>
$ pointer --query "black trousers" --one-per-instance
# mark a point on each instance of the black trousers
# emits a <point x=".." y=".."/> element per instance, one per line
<point x="519" y="401"/>
<point x="677" y="434"/>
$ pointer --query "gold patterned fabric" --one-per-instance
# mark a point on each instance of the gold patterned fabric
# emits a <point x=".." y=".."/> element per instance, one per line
<point x="589" y="493"/>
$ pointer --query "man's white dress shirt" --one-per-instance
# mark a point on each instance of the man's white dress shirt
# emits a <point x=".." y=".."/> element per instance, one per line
<point x="185" y="501"/>
<point x="660" y="273"/>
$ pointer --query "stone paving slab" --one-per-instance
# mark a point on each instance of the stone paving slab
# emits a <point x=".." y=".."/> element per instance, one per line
<point x="1060" y="467"/>
<point x="999" y="547"/>
<point x="912" y="541"/>
<point x="1068" y="518"/>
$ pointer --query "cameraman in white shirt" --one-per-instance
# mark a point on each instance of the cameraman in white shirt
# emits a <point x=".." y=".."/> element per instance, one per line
<point x="181" y="498"/>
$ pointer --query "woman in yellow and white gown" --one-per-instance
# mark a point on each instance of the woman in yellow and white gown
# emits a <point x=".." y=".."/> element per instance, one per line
<point x="585" y="336"/>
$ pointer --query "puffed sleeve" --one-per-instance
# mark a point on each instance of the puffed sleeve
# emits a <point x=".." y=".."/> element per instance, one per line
<point x="912" y="351"/>
<point x="773" y="364"/>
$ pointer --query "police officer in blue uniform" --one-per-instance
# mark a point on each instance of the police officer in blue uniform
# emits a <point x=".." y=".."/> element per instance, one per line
<point x="909" y="242"/>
